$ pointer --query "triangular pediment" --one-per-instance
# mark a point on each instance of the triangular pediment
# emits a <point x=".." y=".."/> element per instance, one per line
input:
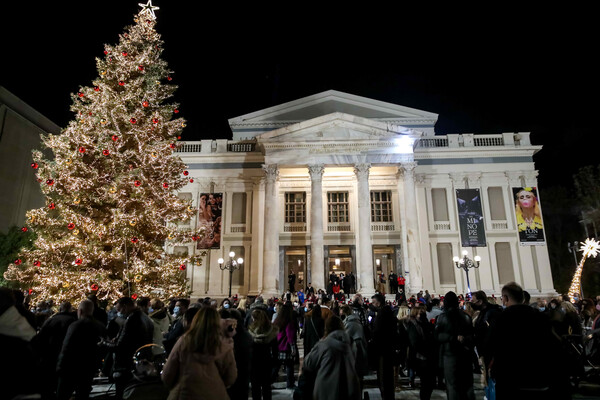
<point x="327" y="103"/>
<point x="336" y="127"/>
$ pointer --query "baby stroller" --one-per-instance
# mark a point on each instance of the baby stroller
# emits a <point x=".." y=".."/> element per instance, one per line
<point x="591" y="356"/>
<point x="146" y="384"/>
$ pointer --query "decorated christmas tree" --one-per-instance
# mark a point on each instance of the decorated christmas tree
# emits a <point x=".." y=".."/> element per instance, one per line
<point x="111" y="203"/>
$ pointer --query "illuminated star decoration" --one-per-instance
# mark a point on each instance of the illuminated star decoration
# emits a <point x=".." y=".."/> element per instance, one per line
<point x="589" y="248"/>
<point x="149" y="8"/>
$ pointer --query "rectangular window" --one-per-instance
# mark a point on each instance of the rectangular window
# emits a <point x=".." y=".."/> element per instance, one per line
<point x="445" y="264"/>
<point x="440" y="204"/>
<point x="497" y="211"/>
<point x="337" y="207"/>
<point x="381" y="206"/>
<point x="238" y="212"/>
<point x="295" y="207"/>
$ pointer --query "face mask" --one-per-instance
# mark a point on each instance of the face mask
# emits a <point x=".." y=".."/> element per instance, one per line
<point x="150" y="309"/>
<point x="542" y="309"/>
<point x="225" y="305"/>
<point x="305" y="309"/>
<point x="176" y="310"/>
<point x="120" y="315"/>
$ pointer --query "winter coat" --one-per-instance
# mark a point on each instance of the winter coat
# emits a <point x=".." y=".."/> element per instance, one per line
<point x="264" y="352"/>
<point x="356" y="333"/>
<point x="161" y="322"/>
<point x="286" y="338"/>
<point x="137" y="332"/>
<point x="80" y="350"/>
<point x="332" y="363"/>
<point x="314" y="328"/>
<point x="199" y="376"/>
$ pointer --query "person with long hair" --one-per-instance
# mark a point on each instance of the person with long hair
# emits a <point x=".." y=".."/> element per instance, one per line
<point x="314" y="328"/>
<point x="202" y="363"/>
<point x="527" y="209"/>
<point x="264" y="354"/>
<point x="421" y="350"/>
<point x="286" y="340"/>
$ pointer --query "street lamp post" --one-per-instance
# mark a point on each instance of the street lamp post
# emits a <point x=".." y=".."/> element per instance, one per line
<point x="231" y="265"/>
<point x="466" y="263"/>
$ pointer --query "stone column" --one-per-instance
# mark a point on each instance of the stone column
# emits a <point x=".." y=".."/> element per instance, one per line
<point x="365" y="281"/>
<point x="271" y="242"/>
<point x="317" y="271"/>
<point x="415" y="276"/>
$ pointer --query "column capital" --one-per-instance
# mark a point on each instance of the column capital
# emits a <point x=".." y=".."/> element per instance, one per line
<point x="407" y="169"/>
<point x="271" y="172"/>
<point x="362" y="170"/>
<point x="514" y="177"/>
<point x="458" y="178"/>
<point x="474" y="179"/>
<point x="316" y="171"/>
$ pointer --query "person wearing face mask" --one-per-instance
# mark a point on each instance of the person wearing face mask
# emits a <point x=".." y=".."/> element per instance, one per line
<point x="483" y="324"/>
<point x="158" y="314"/>
<point x="177" y="329"/>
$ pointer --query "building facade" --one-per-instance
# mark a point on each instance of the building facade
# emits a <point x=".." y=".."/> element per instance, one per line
<point x="339" y="183"/>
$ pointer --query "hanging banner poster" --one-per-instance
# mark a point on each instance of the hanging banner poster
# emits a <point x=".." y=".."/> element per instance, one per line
<point x="470" y="218"/>
<point x="529" y="216"/>
<point x="209" y="218"/>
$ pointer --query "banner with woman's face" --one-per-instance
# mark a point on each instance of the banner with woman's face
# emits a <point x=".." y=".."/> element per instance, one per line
<point x="529" y="216"/>
<point x="209" y="217"/>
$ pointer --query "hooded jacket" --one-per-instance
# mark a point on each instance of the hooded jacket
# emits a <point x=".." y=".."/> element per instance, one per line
<point x="264" y="350"/>
<point x="161" y="322"/>
<point x="358" y="343"/>
<point x="332" y="362"/>
<point x="191" y="375"/>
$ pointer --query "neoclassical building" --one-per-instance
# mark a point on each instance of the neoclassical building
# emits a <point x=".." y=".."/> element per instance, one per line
<point x="337" y="183"/>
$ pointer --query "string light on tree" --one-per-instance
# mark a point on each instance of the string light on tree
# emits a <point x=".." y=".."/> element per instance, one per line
<point x="104" y="222"/>
<point x="589" y="248"/>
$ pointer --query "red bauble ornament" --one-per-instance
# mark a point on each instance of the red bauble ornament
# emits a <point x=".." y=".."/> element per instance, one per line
<point x="141" y="67"/>
<point x="34" y="165"/>
<point x="105" y="152"/>
<point x="93" y="287"/>
<point x="137" y="183"/>
<point x="178" y="137"/>
<point x="37" y="263"/>
<point x="155" y="120"/>
<point x="78" y="261"/>
<point x="124" y="54"/>
<point x="169" y="78"/>
<point x="30" y="291"/>
<point x="191" y="181"/>
<point x="121" y="83"/>
<point x="182" y="267"/>
<point x="18" y="261"/>
<point x="172" y="145"/>
<point x="50" y="182"/>
<point x="24" y="229"/>
<point x="186" y="173"/>
<point x="97" y="89"/>
<point x="165" y="185"/>
<point x="82" y="149"/>
<point x="145" y="104"/>
<point x="80" y="94"/>
<point x="134" y="240"/>
<point x="71" y="225"/>
<point x="114" y="138"/>
<point x="134" y="296"/>
<point x="176" y="111"/>
<point x="194" y="238"/>
<point x="105" y="52"/>
<point x="133" y="120"/>
<point x="51" y="206"/>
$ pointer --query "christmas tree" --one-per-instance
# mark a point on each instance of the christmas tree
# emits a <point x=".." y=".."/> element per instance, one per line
<point x="112" y="209"/>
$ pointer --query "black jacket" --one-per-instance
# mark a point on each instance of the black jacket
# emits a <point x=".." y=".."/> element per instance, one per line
<point x="80" y="350"/>
<point x="314" y="329"/>
<point x="449" y="326"/>
<point x="384" y="333"/>
<point x="137" y="331"/>
<point x="49" y="341"/>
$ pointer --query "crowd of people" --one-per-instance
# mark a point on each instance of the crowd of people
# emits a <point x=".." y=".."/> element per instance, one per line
<point x="235" y="348"/>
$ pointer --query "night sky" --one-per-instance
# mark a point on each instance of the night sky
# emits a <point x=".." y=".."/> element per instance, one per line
<point x="524" y="72"/>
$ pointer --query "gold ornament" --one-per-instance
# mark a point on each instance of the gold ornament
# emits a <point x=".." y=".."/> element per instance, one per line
<point x="138" y="278"/>
<point x="103" y="121"/>
<point x="154" y="155"/>
<point x="103" y="73"/>
<point x="183" y="125"/>
<point x="76" y="232"/>
<point x="113" y="189"/>
<point x="68" y="161"/>
<point x="76" y="201"/>
<point x="132" y="222"/>
<point x="32" y="218"/>
<point x="66" y="284"/>
<point x="158" y="82"/>
<point x="190" y="208"/>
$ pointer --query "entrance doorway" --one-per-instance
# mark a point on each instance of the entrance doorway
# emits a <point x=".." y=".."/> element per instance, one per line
<point x="383" y="262"/>
<point x="295" y="262"/>
<point x="339" y="263"/>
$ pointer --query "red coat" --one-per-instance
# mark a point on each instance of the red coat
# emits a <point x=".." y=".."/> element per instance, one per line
<point x="401" y="280"/>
